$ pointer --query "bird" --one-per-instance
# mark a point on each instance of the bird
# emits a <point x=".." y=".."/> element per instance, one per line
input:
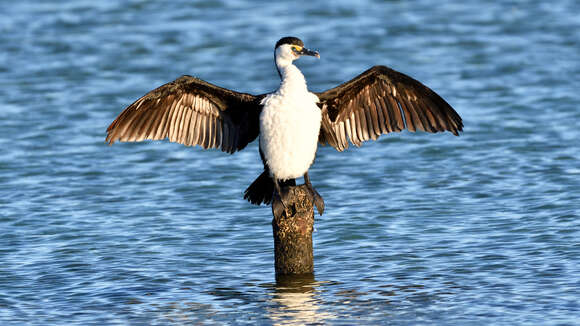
<point x="290" y="122"/>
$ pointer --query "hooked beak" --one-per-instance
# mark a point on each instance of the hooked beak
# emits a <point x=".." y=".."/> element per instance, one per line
<point x="305" y="51"/>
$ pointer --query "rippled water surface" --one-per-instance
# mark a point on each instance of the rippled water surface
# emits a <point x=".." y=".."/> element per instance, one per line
<point x="420" y="228"/>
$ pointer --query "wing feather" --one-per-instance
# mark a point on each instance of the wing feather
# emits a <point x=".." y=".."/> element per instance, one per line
<point x="374" y="114"/>
<point x="382" y="121"/>
<point x="397" y="120"/>
<point x="185" y="127"/>
<point x="191" y="111"/>
<point x="379" y="101"/>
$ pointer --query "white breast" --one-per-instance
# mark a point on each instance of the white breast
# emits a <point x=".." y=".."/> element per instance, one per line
<point x="289" y="127"/>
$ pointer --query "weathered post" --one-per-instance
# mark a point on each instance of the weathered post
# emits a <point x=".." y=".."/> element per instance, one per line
<point x="293" y="234"/>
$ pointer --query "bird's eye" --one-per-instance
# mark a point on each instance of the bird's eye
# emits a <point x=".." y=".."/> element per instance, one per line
<point x="296" y="49"/>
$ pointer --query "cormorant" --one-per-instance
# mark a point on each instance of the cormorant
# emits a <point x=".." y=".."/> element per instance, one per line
<point x="290" y="121"/>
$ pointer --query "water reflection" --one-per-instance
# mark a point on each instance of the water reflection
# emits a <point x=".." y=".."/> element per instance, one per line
<point x="296" y="301"/>
<point x="291" y="300"/>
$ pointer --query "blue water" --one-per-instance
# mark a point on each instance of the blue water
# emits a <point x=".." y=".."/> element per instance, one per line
<point x="420" y="229"/>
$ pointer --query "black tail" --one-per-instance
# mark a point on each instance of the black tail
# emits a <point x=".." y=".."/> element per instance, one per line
<point x="262" y="189"/>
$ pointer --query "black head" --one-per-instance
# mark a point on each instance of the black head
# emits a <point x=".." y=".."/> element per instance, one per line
<point x="289" y="40"/>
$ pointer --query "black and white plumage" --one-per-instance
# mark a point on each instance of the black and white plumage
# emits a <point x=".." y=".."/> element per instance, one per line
<point x="290" y="121"/>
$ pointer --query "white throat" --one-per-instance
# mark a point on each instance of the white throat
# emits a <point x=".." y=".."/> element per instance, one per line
<point x="292" y="78"/>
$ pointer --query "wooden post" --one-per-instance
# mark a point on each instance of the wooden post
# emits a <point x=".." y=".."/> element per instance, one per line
<point x="293" y="234"/>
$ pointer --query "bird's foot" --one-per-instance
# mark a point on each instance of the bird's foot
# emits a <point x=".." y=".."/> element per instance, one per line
<point x="279" y="201"/>
<point x="278" y="207"/>
<point x="317" y="199"/>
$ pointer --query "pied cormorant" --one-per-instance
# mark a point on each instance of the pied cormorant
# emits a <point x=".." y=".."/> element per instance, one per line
<point x="290" y="121"/>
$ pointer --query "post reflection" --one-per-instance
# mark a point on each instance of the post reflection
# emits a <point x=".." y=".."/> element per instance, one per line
<point x="295" y="301"/>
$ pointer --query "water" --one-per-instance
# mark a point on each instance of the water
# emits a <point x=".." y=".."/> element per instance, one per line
<point x="419" y="228"/>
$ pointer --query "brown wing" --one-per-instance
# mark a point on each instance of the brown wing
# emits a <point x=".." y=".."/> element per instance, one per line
<point x="191" y="111"/>
<point x="379" y="101"/>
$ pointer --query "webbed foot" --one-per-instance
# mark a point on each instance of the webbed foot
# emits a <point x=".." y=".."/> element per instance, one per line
<point x="317" y="199"/>
<point x="279" y="200"/>
<point x="278" y="206"/>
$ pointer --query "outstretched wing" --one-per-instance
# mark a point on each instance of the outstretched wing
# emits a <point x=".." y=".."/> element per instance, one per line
<point x="379" y="101"/>
<point x="191" y="111"/>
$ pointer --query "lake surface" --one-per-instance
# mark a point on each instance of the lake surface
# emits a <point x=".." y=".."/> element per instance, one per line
<point x="420" y="229"/>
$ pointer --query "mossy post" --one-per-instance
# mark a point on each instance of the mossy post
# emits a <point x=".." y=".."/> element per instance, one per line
<point x="293" y="234"/>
